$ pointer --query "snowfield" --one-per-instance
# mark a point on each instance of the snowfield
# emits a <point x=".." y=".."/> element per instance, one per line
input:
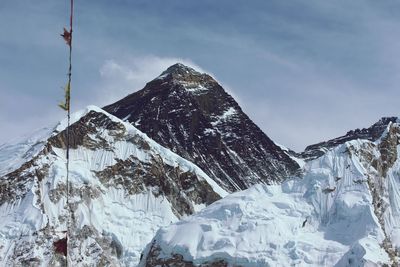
<point x="329" y="217"/>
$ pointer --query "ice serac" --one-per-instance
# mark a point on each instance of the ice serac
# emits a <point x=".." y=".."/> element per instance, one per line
<point x="123" y="187"/>
<point x="190" y="113"/>
<point x="344" y="211"/>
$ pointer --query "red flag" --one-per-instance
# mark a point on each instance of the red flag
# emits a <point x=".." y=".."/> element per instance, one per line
<point x="67" y="36"/>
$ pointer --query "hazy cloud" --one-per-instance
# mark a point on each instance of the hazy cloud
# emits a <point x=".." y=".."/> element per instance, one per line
<point x="119" y="79"/>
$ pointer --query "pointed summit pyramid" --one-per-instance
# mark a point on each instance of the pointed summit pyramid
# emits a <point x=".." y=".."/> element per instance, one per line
<point x="190" y="113"/>
<point x="179" y="69"/>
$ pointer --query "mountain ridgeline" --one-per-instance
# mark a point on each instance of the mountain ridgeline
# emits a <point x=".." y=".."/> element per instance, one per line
<point x="150" y="183"/>
<point x="371" y="133"/>
<point x="191" y="114"/>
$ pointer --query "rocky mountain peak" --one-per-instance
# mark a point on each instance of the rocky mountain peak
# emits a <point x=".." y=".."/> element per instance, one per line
<point x="182" y="77"/>
<point x="181" y="70"/>
<point x="371" y="133"/>
<point x="190" y="113"/>
<point x="374" y="131"/>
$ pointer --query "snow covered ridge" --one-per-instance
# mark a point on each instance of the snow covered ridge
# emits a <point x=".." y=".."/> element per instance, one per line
<point x="13" y="154"/>
<point x="372" y="133"/>
<point x="344" y="211"/>
<point x="123" y="187"/>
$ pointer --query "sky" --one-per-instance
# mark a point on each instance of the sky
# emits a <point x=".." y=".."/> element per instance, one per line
<point x="303" y="70"/>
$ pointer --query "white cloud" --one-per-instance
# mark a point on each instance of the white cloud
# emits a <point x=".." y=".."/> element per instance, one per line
<point x="142" y="68"/>
<point x="120" y="78"/>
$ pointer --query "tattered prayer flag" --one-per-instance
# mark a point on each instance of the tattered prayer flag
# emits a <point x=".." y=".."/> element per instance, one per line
<point x="67" y="36"/>
<point x="65" y="105"/>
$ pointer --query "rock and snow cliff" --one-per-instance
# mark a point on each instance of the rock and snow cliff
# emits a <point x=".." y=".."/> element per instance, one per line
<point x="190" y="113"/>
<point x="344" y="211"/>
<point x="123" y="187"/>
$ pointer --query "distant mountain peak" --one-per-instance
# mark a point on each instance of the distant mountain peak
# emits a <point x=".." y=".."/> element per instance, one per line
<point x="190" y="113"/>
<point x="179" y="68"/>
<point x="371" y="133"/>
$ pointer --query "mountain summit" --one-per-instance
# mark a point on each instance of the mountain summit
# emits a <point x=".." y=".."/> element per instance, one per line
<point x="190" y="113"/>
<point x="181" y="70"/>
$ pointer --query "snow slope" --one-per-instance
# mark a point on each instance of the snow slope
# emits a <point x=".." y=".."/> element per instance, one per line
<point x="344" y="211"/>
<point x="123" y="187"/>
<point x="13" y="154"/>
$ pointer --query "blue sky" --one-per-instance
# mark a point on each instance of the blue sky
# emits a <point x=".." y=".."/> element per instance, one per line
<point x="303" y="70"/>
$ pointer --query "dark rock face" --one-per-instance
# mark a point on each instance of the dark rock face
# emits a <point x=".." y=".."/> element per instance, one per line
<point x="180" y="188"/>
<point x="372" y="133"/>
<point x="191" y="114"/>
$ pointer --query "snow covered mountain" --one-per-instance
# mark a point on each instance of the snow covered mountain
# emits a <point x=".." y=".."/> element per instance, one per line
<point x="132" y="200"/>
<point x="123" y="187"/>
<point x="190" y="113"/>
<point x="344" y="211"/>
